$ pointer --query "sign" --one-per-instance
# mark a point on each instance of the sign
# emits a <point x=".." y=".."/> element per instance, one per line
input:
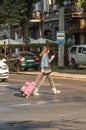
<point x="60" y="37"/>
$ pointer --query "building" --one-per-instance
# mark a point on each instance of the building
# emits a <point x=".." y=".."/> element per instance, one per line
<point x="74" y="20"/>
<point x="49" y="18"/>
<point x="45" y="23"/>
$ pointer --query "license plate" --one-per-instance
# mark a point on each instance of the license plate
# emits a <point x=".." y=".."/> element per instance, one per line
<point x="30" y="60"/>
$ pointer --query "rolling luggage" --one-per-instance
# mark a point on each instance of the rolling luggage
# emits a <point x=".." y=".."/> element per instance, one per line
<point x="28" y="88"/>
<point x="23" y="88"/>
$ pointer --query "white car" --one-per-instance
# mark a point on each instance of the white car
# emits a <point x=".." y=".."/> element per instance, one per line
<point x="77" y="55"/>
<point x="4" y="71"/>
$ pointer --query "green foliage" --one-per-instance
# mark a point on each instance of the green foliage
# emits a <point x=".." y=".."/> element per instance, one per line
<point x="30" y="45"/>
<point x="84" y="4"/>
<point x="17" y="11"/>
<point x="77" y="3"/>
<point x="12" y="11"/>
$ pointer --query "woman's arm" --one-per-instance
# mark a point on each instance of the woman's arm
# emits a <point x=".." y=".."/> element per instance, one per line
<point x="52" y="57"/>
<point x="43" y="62"/>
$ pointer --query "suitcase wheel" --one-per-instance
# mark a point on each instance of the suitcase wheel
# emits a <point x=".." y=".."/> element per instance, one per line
<point x="23" y="95"/>
<point x="26" y="97"/>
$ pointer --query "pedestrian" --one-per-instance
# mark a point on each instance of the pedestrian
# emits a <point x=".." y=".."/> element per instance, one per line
<point x="46" y="71"/>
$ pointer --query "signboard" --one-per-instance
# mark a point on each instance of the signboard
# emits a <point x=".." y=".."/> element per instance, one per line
<point x="60" y="37"/>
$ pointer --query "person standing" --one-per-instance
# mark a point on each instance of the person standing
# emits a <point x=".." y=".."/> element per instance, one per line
<point x="46" y="71"/>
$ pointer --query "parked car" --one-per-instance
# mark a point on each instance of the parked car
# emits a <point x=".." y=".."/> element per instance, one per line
<point x="4" y="71"/>
<point x="23" y="60"/>
<point x="77" y="55"/>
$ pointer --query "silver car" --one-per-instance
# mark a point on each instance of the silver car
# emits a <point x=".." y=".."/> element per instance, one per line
<point x="4" y="71"/>
<point x="77" y="55"/>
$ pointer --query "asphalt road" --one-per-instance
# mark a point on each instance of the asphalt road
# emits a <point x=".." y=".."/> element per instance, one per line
<point x="66" y="111"/>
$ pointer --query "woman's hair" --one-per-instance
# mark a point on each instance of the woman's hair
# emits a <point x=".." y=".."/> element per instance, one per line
<point x="45" y="49"/>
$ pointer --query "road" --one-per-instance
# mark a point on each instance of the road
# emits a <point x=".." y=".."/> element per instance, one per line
<point x="66" y="111"/>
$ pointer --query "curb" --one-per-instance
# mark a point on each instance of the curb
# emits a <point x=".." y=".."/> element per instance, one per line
<point x="57" y="74"/>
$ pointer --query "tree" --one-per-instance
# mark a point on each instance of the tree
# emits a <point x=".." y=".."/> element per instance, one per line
<point x="84" y="6"/>
<point x="17" y="11"/>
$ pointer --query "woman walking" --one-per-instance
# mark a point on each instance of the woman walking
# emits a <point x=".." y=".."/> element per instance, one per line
<point x="46" y="71"/>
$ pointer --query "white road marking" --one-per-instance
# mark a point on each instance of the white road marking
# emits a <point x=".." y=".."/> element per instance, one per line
<point x="3" y="93"/>
<point x="47" y="101"/>
<point x="9" y="84"/>
<point x="25" y="104"/>
<point x="35" y="103"/>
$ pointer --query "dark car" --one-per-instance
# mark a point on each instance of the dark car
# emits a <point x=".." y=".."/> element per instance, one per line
<point x="23" y="60"/>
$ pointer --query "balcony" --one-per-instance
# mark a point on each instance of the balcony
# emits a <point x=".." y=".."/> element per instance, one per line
<point x="77" y="15"/>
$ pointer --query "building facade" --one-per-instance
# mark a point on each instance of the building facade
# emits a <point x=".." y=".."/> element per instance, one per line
<point x="45" y="23"/>
<point x="49" y="18"/>
<point x="74" y="22"/>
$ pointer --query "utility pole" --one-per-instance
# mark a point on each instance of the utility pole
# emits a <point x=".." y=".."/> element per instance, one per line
<point x="61" y="46"/>
<point x="5" y="49"/>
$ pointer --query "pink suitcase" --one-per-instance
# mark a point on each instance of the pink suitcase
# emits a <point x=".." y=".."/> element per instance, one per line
<point x="29" y="90"/>
<point x="23" y="88"/>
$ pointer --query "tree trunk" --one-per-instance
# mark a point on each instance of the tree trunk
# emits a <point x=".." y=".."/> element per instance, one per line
<point x="25" y="31"/>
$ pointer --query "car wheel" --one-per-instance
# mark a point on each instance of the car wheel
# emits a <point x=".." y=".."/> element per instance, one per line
<point x="36" y="68"/>
<point x="73" y="64"/>
<point x="3" y="80"/>
<point x="25" y="69"/>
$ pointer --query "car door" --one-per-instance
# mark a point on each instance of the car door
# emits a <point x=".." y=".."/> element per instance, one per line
<point x="81" y="56"/>
<point x="84" y="55"/>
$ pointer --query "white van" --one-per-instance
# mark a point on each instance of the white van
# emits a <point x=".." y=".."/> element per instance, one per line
<point x="77" y="55"/>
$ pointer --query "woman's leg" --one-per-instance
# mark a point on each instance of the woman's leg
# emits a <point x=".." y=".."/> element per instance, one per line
<point x="52" y="85"/>
<point x="39" y="83"/>
<point x="50" y="79"/>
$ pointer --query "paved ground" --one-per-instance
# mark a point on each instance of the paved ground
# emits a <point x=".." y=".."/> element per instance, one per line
<point x="66" y="111"/>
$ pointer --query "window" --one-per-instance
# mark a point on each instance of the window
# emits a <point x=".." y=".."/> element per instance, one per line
<point x="84" y="49"/>
<point x="73" y="50"/>
<point x="80" y="50"/>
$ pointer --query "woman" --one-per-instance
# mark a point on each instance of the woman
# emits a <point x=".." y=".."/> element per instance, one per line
<point x="45" y="70"/>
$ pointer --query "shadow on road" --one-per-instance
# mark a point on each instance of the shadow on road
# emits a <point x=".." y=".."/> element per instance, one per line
<point x="26" y="125"/>
<point x="62" y="124"/>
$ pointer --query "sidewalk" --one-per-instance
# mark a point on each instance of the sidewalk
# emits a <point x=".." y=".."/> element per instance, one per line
<point x="59" y="75"/>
